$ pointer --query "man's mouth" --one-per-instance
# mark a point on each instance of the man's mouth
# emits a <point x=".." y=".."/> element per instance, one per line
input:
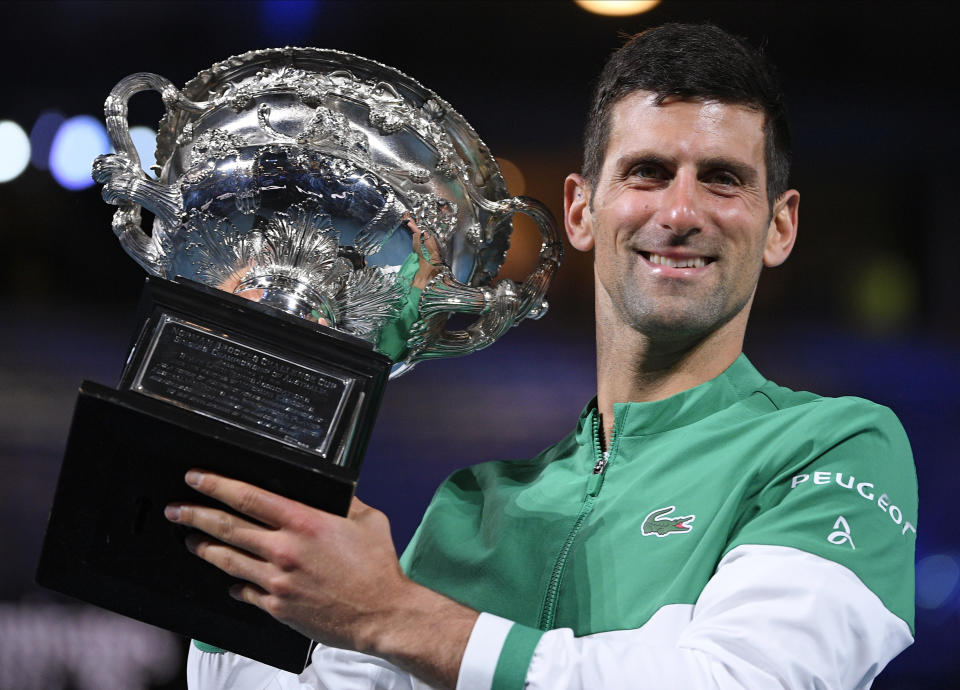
<point x="677" y="262"/>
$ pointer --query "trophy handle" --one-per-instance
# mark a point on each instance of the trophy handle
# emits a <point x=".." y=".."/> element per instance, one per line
<point x="125" y="184"/>
<point x="498" y="307"/>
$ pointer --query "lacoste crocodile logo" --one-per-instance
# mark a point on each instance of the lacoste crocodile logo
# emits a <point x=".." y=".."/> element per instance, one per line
<point x="662" y="524"/>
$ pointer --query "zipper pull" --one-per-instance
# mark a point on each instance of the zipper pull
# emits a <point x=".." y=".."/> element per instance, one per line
<point x="596" y="477"/>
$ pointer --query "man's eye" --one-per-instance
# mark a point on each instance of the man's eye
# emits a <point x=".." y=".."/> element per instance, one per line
<point x="651" y="171"/>
<point x="722" y="177"/>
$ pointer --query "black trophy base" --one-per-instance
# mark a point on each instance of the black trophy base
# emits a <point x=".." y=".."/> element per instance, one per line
<point x="109" y="544"/>
<point x="218" y="383"/>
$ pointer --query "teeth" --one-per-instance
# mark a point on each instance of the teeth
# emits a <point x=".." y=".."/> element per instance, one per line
<point x="692" y="262"/>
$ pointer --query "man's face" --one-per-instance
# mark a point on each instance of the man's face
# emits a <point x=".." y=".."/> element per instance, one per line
<point x="679" y="217"/>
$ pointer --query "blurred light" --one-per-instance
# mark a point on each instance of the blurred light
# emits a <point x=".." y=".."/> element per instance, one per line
<point x="525" y="240"/>
<point x="937" y="577"/>
<point x="884" y="296"/>
<point x="78" y="141"/>
<point x="288" y="22"/>
<point x="15" y="146"/>
<point x="145" y="141"/>
<point x="54" y="646"/>
<point x="41" y="137"/>
<point x="513" y="176"/>
<point x="617" y="8"/>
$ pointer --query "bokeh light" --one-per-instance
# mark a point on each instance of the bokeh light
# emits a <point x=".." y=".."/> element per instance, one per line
<point x="884" y="296"/>
<point x="288" y="22"/>
<point x="617" y="8"/>
<point x="145" y="141"/>
<point x="41" y="137"/>
<point x="937" y="577"/>
<point x="79" y="140"/>
<point x="512" y="176"/>
<point x="15" y="145"/>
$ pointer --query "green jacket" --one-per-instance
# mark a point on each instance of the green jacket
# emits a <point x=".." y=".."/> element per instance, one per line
<point x="570" y="540"/>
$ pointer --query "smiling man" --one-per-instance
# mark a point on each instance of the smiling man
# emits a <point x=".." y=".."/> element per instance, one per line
<point x="681" y="223"/>
<point x="701" y="527"/>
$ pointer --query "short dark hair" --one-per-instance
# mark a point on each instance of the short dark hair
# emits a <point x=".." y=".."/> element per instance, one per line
<point x="692" y="62"/>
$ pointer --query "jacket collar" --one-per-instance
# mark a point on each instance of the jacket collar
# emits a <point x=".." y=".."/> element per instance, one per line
<point x="735" y="383"/>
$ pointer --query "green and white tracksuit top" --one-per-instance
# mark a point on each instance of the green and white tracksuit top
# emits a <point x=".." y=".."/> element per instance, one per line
<point x="737" y="535"/>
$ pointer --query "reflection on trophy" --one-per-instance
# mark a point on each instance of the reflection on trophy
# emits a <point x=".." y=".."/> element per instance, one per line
<point x="318" y="217"/>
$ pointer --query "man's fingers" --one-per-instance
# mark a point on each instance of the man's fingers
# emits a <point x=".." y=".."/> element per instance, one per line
<point x="250" y="594"/>
<point x="265" y="506"/>
<point x="235" y="562"/>
<point x="221" y="525"/>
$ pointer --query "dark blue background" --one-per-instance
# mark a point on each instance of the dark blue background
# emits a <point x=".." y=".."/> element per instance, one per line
<point x="866" y="306"/>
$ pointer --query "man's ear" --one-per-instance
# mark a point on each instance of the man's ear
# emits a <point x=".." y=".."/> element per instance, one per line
<point x="576" y="212"/>
<point x="782" y="232"/>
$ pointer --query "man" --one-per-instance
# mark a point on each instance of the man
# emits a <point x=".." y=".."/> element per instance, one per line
<point x="702" y="527"/>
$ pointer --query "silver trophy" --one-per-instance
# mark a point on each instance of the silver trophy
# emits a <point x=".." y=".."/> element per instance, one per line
<point x="318" y="218"/>
<point x="319" y="182"/>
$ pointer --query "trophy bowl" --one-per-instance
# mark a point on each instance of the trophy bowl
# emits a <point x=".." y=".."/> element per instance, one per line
<point x="331" y="187"/>
<point x="318" y="218"/>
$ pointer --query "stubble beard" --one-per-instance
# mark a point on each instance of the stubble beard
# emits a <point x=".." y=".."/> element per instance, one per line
<point x="677" y="318"/>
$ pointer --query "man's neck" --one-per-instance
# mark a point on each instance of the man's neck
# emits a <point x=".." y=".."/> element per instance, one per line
<point x="633" y="367"/>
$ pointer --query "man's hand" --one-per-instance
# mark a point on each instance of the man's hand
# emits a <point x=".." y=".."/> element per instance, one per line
<point x="336" y="580"/>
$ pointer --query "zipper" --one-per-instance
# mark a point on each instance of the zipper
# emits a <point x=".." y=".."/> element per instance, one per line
<point x="549" y="611"/>
<point x="596" y="477"/>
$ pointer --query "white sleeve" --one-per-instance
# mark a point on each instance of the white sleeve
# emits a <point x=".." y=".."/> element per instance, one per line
<point x="770" y="617"/>
<point x="330" y="669"/>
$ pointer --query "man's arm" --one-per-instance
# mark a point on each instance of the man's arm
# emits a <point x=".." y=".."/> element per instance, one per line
<point x="770" y="617"/>
<point x="336" y="580"/>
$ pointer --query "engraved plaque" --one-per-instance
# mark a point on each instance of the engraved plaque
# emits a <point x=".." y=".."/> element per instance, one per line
<point x="220" y="376"/>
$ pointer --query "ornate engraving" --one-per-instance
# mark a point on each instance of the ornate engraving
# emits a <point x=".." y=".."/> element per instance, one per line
<point x="185" y="137"/>
<point x="332" y="126"/>
<point x="215" y="144"/>
<point x="286" y="175"/>
<point x="433" y="109"/>
<point x="297" y="252"/>
<point x="368" y="300"/>
<point x="475" y="235"/>
<point x="388" y="111"/>
<point x="432" y="212"/>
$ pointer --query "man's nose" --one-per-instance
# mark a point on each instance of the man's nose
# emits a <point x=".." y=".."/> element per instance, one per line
<point x="680" y="210"/>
